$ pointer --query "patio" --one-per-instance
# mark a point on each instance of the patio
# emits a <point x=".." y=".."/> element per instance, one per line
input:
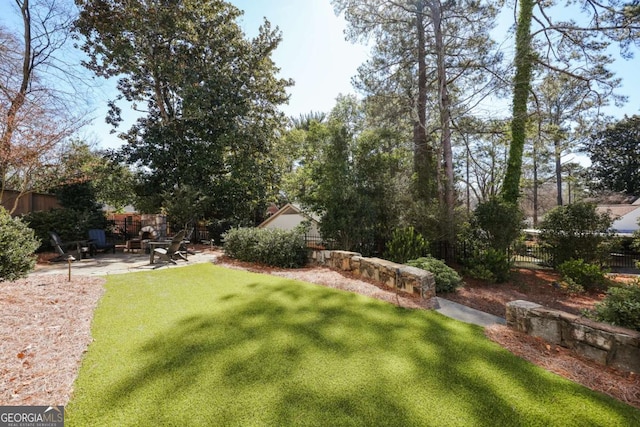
<point x="121" y="262"/>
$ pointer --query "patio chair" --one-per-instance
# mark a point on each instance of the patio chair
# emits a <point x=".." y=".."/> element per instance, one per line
<point x="186" y="241"/>
<point x="61" y="248"/>
<point x="171" y="253"/>
<point x="98" y="241"/>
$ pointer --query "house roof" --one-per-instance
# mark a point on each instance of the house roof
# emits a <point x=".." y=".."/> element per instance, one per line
<point x="617" y="211"/>
<point x="289" y="209"/>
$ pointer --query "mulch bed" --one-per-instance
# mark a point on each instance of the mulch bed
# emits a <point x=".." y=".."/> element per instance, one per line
<point x="45" y="331"/>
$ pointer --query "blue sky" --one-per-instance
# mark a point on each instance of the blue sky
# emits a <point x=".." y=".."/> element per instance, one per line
<point x="316" y="56"/>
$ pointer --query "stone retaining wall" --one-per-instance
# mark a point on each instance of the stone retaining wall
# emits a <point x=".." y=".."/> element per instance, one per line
<point x="603" y="343"/>
<point x="411" y="279"/>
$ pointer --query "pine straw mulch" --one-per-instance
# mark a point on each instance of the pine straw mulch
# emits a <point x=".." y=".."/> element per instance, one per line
<point x="45" y="331"/>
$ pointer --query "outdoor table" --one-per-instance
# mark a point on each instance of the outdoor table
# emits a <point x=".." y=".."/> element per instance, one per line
<point x="83" y="247"/>
<point x="157" y="244"/>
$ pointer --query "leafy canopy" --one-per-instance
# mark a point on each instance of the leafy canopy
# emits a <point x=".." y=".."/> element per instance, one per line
<point x="209" y="97"/>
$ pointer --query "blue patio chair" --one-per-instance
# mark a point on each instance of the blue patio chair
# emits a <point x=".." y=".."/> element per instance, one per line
<point x="98" y="241"/>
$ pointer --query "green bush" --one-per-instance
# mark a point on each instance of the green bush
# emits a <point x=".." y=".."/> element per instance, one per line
<point x="497" y="223"/>
<point x="447" y="279"/>
<point x="588" y="276"/>
<point x="491" y="265"/>
<point x="70" y="224"/>
<point x="621" y="306"/>
<point x="17" y="245"/>
<point x="278" y="248"/>
<point x="405" y="244"/>
<point x="576" y="231"/>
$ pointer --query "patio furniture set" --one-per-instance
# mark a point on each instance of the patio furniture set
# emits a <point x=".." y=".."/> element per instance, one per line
<point x="167" y="250"/>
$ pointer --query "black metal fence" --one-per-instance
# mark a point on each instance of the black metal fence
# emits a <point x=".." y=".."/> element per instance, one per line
<point x="536" y="255"/>
<point x="540" y="255"/>
<point x="123" y="230"/>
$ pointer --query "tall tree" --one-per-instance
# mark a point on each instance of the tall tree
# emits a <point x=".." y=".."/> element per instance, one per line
<point x="425" y="53"/>
<point x="567" y="111"/>
<point x="209" y="97"/>
<point x="615" y="157"/>
<point x="576" y="47"/>
<point x="36" y="109"/>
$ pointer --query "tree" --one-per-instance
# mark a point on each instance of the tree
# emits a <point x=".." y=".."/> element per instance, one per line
<point x="567" y="111"/>
<point x="615" y="157"/>
<point x="209" y="97"/>
<point x="575" y="231"/>
<point x="575" y="48"/>
<point x="36" y="108"/>
<point x="345" y="171"/>
<point x="428" y="59"/>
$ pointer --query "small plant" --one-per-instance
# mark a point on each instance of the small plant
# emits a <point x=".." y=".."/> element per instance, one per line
<point x="406" y="243"/>
<point x="621" y="306"/>
<point x="570" y="286"/>
<point x="588" y="276"/>
<point x="17" y="246"/>
<point x="447" y="279"/>
<point x="491" y="265"/>
<point x="278" y="248"/>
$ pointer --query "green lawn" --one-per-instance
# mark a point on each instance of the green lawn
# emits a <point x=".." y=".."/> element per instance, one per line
<point x="208" y="346"/>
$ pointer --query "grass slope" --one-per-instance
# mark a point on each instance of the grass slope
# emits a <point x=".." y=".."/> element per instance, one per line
<point x="204" y="345"/>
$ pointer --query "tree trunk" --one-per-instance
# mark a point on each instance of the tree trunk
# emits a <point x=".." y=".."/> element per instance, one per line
<point x="522" y="85"/>
<point x="444" y="106"/>
<point x="423" y="158"/>
<point x="535" y="186"/>
<point x="18" y="100"/>
<point x="558" y="158"/>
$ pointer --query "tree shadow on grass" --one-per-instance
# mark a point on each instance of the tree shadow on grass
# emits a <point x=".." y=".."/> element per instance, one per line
<point x="287" y="354"/>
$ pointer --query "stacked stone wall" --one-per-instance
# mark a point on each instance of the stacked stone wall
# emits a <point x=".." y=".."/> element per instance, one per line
<point x="603" y="343"/>
<point x="410" y="279"/>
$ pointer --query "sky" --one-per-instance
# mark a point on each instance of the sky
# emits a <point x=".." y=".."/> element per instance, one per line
<point x="315" y="54"/>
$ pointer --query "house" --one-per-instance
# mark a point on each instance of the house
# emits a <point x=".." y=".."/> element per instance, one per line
<point x="625" y="216"/>
<point x="289" y="217"/>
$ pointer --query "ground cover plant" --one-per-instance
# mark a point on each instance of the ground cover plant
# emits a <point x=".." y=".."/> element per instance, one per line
<point x="205" y="345"/>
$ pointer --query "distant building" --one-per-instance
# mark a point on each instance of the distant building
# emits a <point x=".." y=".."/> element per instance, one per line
<point x="625" y="216"/>
<point x="289" y="217"/>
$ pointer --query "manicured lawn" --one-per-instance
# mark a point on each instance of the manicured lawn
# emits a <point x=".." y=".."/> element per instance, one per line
<point x="208" y="346"/>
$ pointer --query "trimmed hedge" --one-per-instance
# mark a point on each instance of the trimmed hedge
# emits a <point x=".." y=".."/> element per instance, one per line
<point x="278" y="248"/>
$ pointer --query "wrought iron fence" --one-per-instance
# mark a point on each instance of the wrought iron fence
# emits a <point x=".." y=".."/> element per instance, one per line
<point x="123" y="230"/>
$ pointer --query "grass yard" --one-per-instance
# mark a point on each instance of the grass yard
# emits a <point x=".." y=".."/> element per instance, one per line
<point x="208" y="346"/>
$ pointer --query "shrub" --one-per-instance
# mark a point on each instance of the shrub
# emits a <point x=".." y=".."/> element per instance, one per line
<point x="620" y="307"/>
<point x="494" y="227"/>
<point x="405" y="244"/>
<point x="17" y="245"/>
<point x="278" y="248"/>
<point x="491" y="265"/>
<point x="447" y="279"/>
<point x="588" y="276"/>
<point x="70" y="224"/>
<point x="497" y="223"/>
<point x="570" y="286"/>
<point x="576" y="231"/>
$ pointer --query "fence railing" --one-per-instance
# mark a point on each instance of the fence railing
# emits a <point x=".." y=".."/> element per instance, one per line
<point x="123" y="230"/>
<point x="536" y="255"/>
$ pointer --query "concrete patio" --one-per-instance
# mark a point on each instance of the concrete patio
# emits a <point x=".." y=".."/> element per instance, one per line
<point x="103" y="264"/>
